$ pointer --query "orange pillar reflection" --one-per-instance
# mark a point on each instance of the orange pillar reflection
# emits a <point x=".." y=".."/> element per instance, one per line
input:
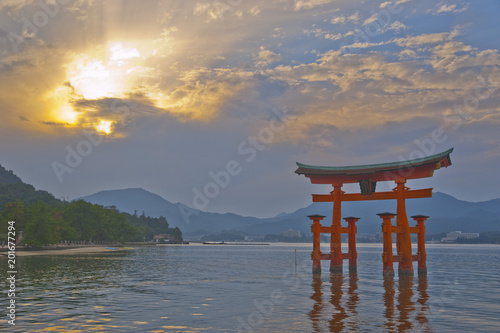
<point x="405" y="304"/>
<point x="339" y="314"/>
<point x="352" y="302"/>
<point x="389" y="304"/>
<point x="422" y="301"/>
<point x="344" y="309"/>
<point x="315" y="313"/>
<point x="400" y="317"/>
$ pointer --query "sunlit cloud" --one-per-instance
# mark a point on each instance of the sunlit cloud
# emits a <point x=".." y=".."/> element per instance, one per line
<point x="104" y="126"/>
<point x="94" y="78"/>
<point x="308" y="4"/>
<point x="449" y="8"/>
<point x="154" y="76"/>
<point x="201" y="74"/>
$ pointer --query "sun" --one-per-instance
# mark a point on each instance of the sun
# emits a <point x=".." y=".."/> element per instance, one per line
<point x="104" y="126"/>
<point x="67" y="114"/>
<point x="107" y="74"/>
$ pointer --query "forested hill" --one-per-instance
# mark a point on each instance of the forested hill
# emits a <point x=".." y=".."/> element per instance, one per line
<point x="12" y="188"/>
<point x="46" y="220"/>
<point x="8" y="177"/>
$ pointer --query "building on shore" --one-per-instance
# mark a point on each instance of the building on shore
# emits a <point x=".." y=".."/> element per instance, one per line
<point x="452" y="237"/>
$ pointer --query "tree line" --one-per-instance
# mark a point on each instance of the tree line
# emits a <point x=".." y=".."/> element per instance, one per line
<point x="45" y="224"/>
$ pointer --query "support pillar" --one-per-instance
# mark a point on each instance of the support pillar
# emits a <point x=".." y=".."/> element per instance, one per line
<point x="353" y="254"/>
<point x="316" y="253"/>
<point x="422" y="256"/>
<point x="403" y="242"/>
<point x="387" y="258"/>
<point x="335" y="242"/>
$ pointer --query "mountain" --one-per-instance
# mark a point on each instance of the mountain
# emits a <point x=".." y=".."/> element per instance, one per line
<point x="8" y="177"/>
<point x="446" y="214"/>
<point x="178" y="215"/>
<point x="12" y="188"/>
<point x="47" y="220"/>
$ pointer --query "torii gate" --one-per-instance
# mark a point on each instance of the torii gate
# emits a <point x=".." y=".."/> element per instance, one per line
<point x="367" y="176"/>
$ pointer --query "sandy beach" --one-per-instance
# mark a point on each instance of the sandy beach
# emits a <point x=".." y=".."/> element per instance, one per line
<point x="76" y="250"/>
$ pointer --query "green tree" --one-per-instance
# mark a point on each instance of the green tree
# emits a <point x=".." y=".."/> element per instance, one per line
<point x="41" y="226"/>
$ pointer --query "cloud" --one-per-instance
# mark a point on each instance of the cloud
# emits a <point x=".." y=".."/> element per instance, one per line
<point x="397" y="26"/>
<point x="365" y="45"/>
<point x="309" y="4"/>
<point x="390" y="86"/>
<point x="214" y="10"/>
<point x="422" y="39"/>
<point x="342" y="19"/>
<point x="182" y="81"/>
<point x="449" y="8"/>
<point x="384" y="4"/>
<point x="15" y="5"/>
<point x="369" y="20"/>
<point x="267" y="57"/>
<point x="407" y="54"/>
<point x="321" y="33"/>
<point x="254" y="11"/>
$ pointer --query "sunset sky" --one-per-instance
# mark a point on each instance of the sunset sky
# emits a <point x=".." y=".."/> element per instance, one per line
<point x="165" y="94"/>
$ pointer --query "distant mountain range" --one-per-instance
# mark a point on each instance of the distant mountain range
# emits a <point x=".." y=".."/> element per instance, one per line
<point x="446" y="214"/>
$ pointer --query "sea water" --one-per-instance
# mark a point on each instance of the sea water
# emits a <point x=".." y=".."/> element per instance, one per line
<point x="240" y="288"/>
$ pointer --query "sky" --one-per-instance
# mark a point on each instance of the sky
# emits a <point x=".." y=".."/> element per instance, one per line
<point x="211" y="103"/>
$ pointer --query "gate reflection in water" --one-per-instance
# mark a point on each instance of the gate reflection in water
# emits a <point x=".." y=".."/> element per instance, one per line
<point x="340" y="302"/>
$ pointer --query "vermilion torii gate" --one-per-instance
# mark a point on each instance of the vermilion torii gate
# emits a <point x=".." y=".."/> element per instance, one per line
<point x="367" y="176"/>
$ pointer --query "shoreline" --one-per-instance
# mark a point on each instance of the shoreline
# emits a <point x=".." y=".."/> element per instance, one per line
<point x="65" y="251"/>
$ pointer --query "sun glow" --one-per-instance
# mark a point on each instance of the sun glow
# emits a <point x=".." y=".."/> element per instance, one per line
<point x="104" y="126"/>
<point x="107" y="72"/>
<point x="104" y="75"/>
<point x="67" y="114"/>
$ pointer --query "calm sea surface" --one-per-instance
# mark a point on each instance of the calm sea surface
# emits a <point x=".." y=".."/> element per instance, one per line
<point x="229" y="288"/>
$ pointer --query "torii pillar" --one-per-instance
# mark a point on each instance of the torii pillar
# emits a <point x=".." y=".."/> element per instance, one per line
<point x="403" y="239"/>
<point x="353" y="254"/>
<point x="387" y="258"/>
<point x="335" y="240"/>
<point x="422" y="256"/>
<point x="316" y="253"/>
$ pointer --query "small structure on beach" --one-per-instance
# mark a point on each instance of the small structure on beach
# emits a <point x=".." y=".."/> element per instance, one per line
<point x="367" y="176"/>
<point x="164" y="238"/>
